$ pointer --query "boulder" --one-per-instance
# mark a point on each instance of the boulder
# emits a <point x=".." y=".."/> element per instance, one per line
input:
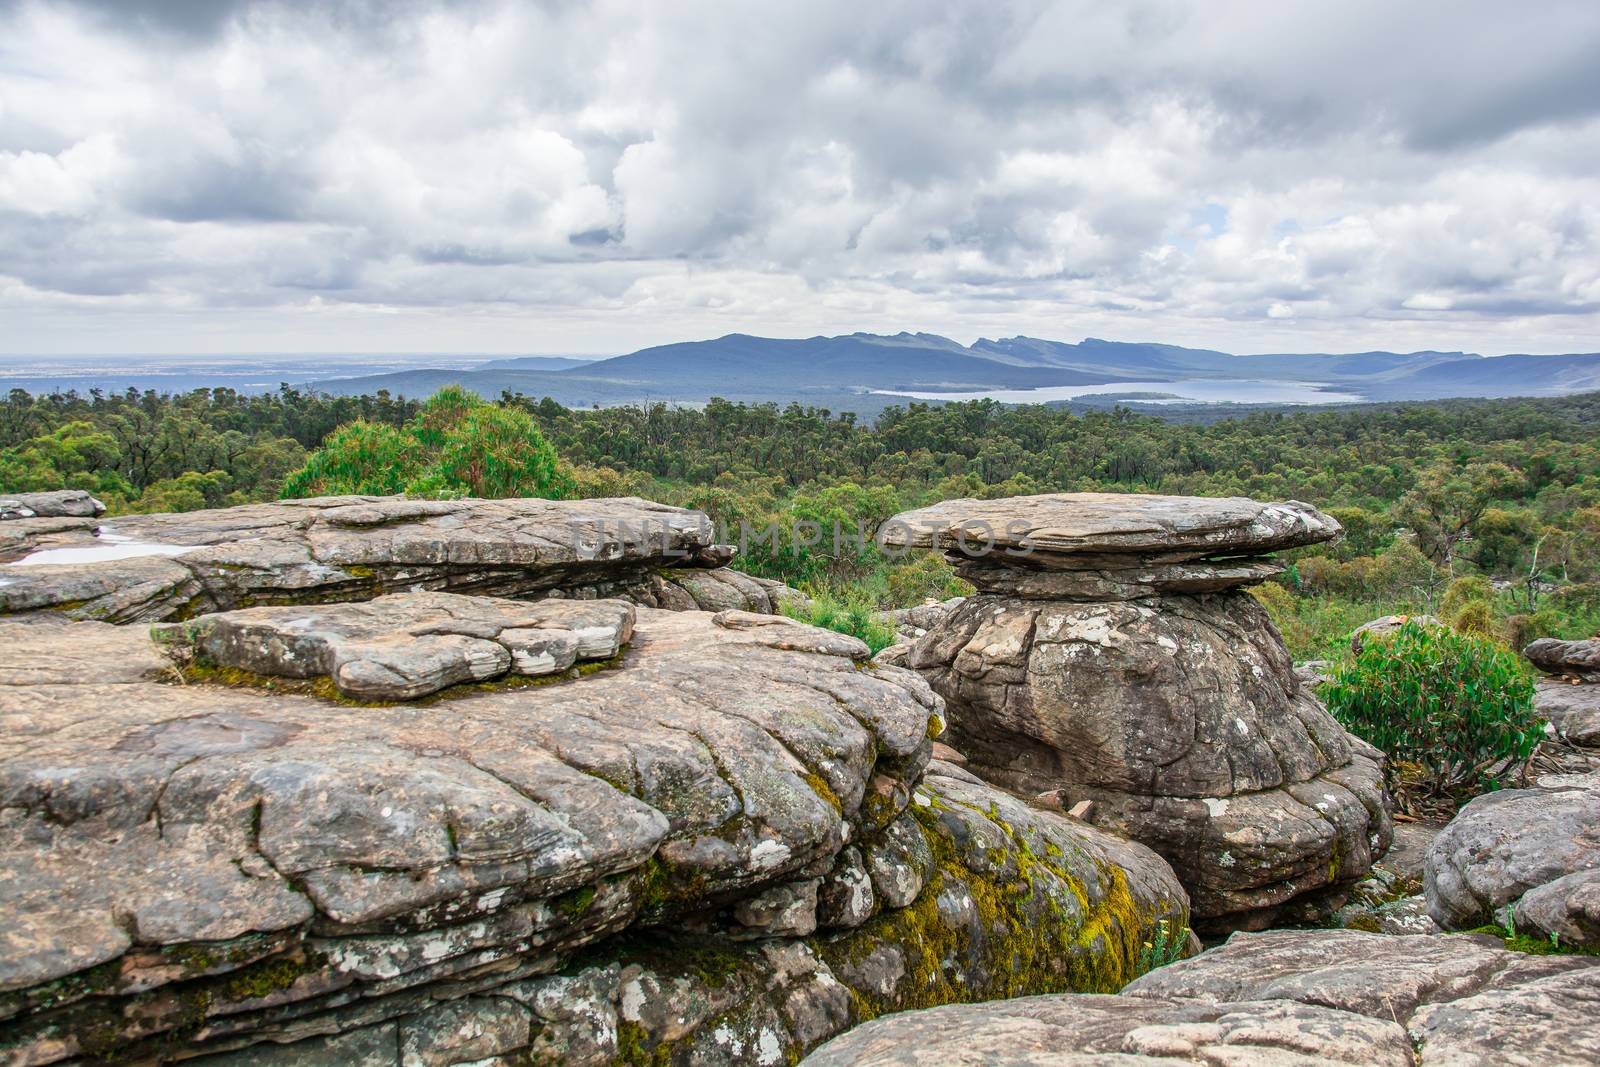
<point x="1285" y="997"/>
<point x="911" y="623"/>
<point x="1526" y="858"/>
<point x="59" y="503"/>
<point x="1176" y="713"/>
<point x="1566" y="659"/>
<point x="145" y="568"/>
<point x="1003" y="900"/>
<point x="1572" y="710"/>
<point x="1388" y="626"/>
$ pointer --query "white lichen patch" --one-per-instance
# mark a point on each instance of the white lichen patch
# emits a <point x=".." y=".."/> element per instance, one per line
<point x="769" y="854"/>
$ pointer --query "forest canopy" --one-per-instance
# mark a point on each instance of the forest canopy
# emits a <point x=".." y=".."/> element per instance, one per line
<point x="1486" y="510"/>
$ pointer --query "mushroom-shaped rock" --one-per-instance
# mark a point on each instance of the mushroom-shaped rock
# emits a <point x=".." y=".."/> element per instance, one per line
<point x="1087" y="667"/>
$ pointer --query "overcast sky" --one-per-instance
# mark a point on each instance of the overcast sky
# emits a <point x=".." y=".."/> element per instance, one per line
<point x="207" y="176"/>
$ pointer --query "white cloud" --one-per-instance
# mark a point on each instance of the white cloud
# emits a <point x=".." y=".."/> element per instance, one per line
<point x="506" y="176"/>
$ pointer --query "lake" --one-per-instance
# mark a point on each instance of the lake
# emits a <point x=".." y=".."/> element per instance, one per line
<point x="1200" y="390"/>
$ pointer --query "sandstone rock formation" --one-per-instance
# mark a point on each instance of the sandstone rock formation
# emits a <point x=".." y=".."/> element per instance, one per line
<point x="1572" y="710"/>
<point x="1110" y="656"/>
<point x="1280" y="998"/>
<point x="1388" y="626"/>
<point x="59" y="503"/>
<point x="1569" y="700"/>
<point x="1526" y="858"/>
<point x="143" y="568"/>
<point x="1578" y="660"/>
<point x="404" y="645"/>
<point x="718" y="842"/>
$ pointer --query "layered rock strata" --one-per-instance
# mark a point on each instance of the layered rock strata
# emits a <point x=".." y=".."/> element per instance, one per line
<point x="1110" y="656"/>
<point x="720" y="843"/>
<point x="1280" y="998"/>
<point x="144" y="568"/>
<point x="404" y="645"/>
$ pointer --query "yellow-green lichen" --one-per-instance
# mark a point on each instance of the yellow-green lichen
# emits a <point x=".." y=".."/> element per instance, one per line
<point x="204" y="672"/>
<point x="574" y="904"/>
<point x="820" y="786"/>
<point x="1036" y="930"/>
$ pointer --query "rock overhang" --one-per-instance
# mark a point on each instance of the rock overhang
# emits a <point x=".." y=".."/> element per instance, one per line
<point x="1109" y="546"/>
<point x="170" y="566"/>
<point x="1094" y="527"/>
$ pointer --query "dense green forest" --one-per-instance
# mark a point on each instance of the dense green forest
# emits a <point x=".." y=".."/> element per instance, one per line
<point x="1487" y="512"/>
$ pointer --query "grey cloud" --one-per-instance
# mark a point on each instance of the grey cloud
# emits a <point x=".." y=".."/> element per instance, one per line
<point x="659" y="162"/>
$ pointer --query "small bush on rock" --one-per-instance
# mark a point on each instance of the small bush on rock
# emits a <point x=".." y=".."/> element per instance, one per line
<point x="458" y="445"/>
<point x="854" y="616"/>
<point x="1453" y="711"/>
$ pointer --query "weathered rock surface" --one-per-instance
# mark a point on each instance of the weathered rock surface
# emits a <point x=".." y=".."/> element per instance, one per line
<point x="143" y="568"/>
<point x="1532" y="854"/>
<point x="1280" y="998"/>
<point x="1091" y="526"/>
<point x="1388" y="626"/>
<point x="58" y="503"/>
<point x="1573" y="710"/>
<point x="405" y="645"/>
<point x="1184" y="724"/>
<point x="1178" y="715"/>
<point x="1006" y="901"/>
<point x="371" y="850"/>
<point x="1110" y="1031"/>
<point x="911" y="623"/>
<point x="1566" y="659"/>
<point x="569" y="871"/>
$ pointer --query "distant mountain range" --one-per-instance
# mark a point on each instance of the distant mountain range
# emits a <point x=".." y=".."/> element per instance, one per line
<point x="866" y="372"/>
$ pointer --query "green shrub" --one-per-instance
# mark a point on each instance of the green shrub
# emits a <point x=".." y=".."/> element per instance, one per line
<point x="458" y="445"/>
<point x="1464" y="592"/>
<point x="923" y="577"/>
<point x="848" y="614"/>
<point x="1474" y="617"/>
<point x="1448" y="708"/>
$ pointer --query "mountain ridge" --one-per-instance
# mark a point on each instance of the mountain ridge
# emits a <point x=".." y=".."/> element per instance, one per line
<point x="856" y="371"/>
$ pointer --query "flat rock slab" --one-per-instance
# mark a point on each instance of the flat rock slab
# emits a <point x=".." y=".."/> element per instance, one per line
<point x="405" y="645"/>
<point x="163" y="838"/>
<point x="1530" y="854"/>
<point x="1111" y="1031"/>
<point x="155" y="567"/>
<point x="1091" y="525"/>
<point x="1281" y="998"/>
